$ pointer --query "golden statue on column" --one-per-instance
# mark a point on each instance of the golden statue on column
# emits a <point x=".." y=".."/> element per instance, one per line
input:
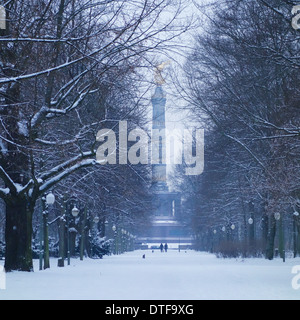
<point x="158" y="78"/>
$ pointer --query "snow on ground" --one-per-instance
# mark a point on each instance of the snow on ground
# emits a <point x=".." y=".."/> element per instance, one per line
<point x="160" y="276"/>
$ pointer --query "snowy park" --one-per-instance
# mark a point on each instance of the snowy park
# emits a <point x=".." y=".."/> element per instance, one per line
<point x="149" y="150"/>
<point x="185" y="275"/>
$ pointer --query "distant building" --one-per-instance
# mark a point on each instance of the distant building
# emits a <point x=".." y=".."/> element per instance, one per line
<point x="166" y="226"/>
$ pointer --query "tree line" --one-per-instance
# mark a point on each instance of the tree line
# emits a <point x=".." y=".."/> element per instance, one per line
<point x="67" y="69"/>
<point x="242" y="85"/>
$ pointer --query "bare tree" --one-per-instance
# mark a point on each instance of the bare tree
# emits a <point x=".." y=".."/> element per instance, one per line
<point x="54" y="57"/>
<point x="243" y="81"/>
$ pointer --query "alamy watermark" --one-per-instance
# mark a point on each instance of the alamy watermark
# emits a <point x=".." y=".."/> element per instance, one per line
<point x="2" y="18"/>
<point x="162" y="147"/>
<point x="296" y="17"/>
<point x="2" y="278"/>
<point x="296" y="279"/>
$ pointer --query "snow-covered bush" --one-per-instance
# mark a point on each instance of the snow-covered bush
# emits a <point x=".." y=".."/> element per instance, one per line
<point x="229" y="249"/>
<point x="99" y="246"/>
<point x="53" y="247"/>
<point x="233" y="249"/>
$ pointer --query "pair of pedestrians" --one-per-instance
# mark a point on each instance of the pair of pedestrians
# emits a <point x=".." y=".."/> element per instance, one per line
<point x="162" y="247"/>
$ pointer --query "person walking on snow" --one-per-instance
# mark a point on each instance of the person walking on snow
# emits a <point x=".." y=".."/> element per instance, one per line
<point x="166" y="247"/>
<point x="161" y="247"/>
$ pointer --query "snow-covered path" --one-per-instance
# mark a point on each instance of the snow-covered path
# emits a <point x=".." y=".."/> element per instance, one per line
<point x="161" y="276"/>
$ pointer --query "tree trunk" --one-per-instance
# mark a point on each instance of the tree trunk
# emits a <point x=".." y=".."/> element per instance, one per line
<point x="18" y="236"/>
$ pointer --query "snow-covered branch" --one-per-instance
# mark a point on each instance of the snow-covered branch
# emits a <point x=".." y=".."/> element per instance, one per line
<point x="8" y="181"/>
<point x="46" y="112"/>
<point x="54" y="179"/>
<point x="67" y="164"/>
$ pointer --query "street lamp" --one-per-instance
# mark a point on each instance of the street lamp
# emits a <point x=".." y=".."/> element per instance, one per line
<point x="41" y="233"/>
<point x="213" y="240"/>
<point x="50" y="199"/>
<point x="123" y="233"/>
<point x="105" y="227"/>
<point x="295" y="235"/>
<point x="75" y="211"/>
<point x="114" y="229"/>
<point x="232" y="227"/>
<point x="96" y="219"/>
<point x="223" y="229"/>
<point x="278" y="218"/>
<point x="251" y="234"/>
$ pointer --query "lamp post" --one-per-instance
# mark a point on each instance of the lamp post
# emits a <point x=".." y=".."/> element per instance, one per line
<point x="232" y="227"/>
<point x="114" y="229"/>
<point x="278" y="218"/>
<point x="296" y="238"/>
<point x="94" y="233"/>
<point x="41" y="234"/>
<point x="73" y="231"/>
<point x="49" y="200"/>
<point x="213" y="240"/>
<point x="96" y="220"/>
<point x="251" y="232"/>
<point x="62" y="227"/>
<point x="224" y="236"/>
<point x="105" y="228"/>
<point x="74" y="212"/>
<point x="123" y="236"/>
<point x="82" y="236"/>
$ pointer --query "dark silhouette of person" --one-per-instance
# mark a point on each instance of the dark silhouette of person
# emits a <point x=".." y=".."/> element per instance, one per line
<point x="166" y="247"/>
<point x="161" y="247"/>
